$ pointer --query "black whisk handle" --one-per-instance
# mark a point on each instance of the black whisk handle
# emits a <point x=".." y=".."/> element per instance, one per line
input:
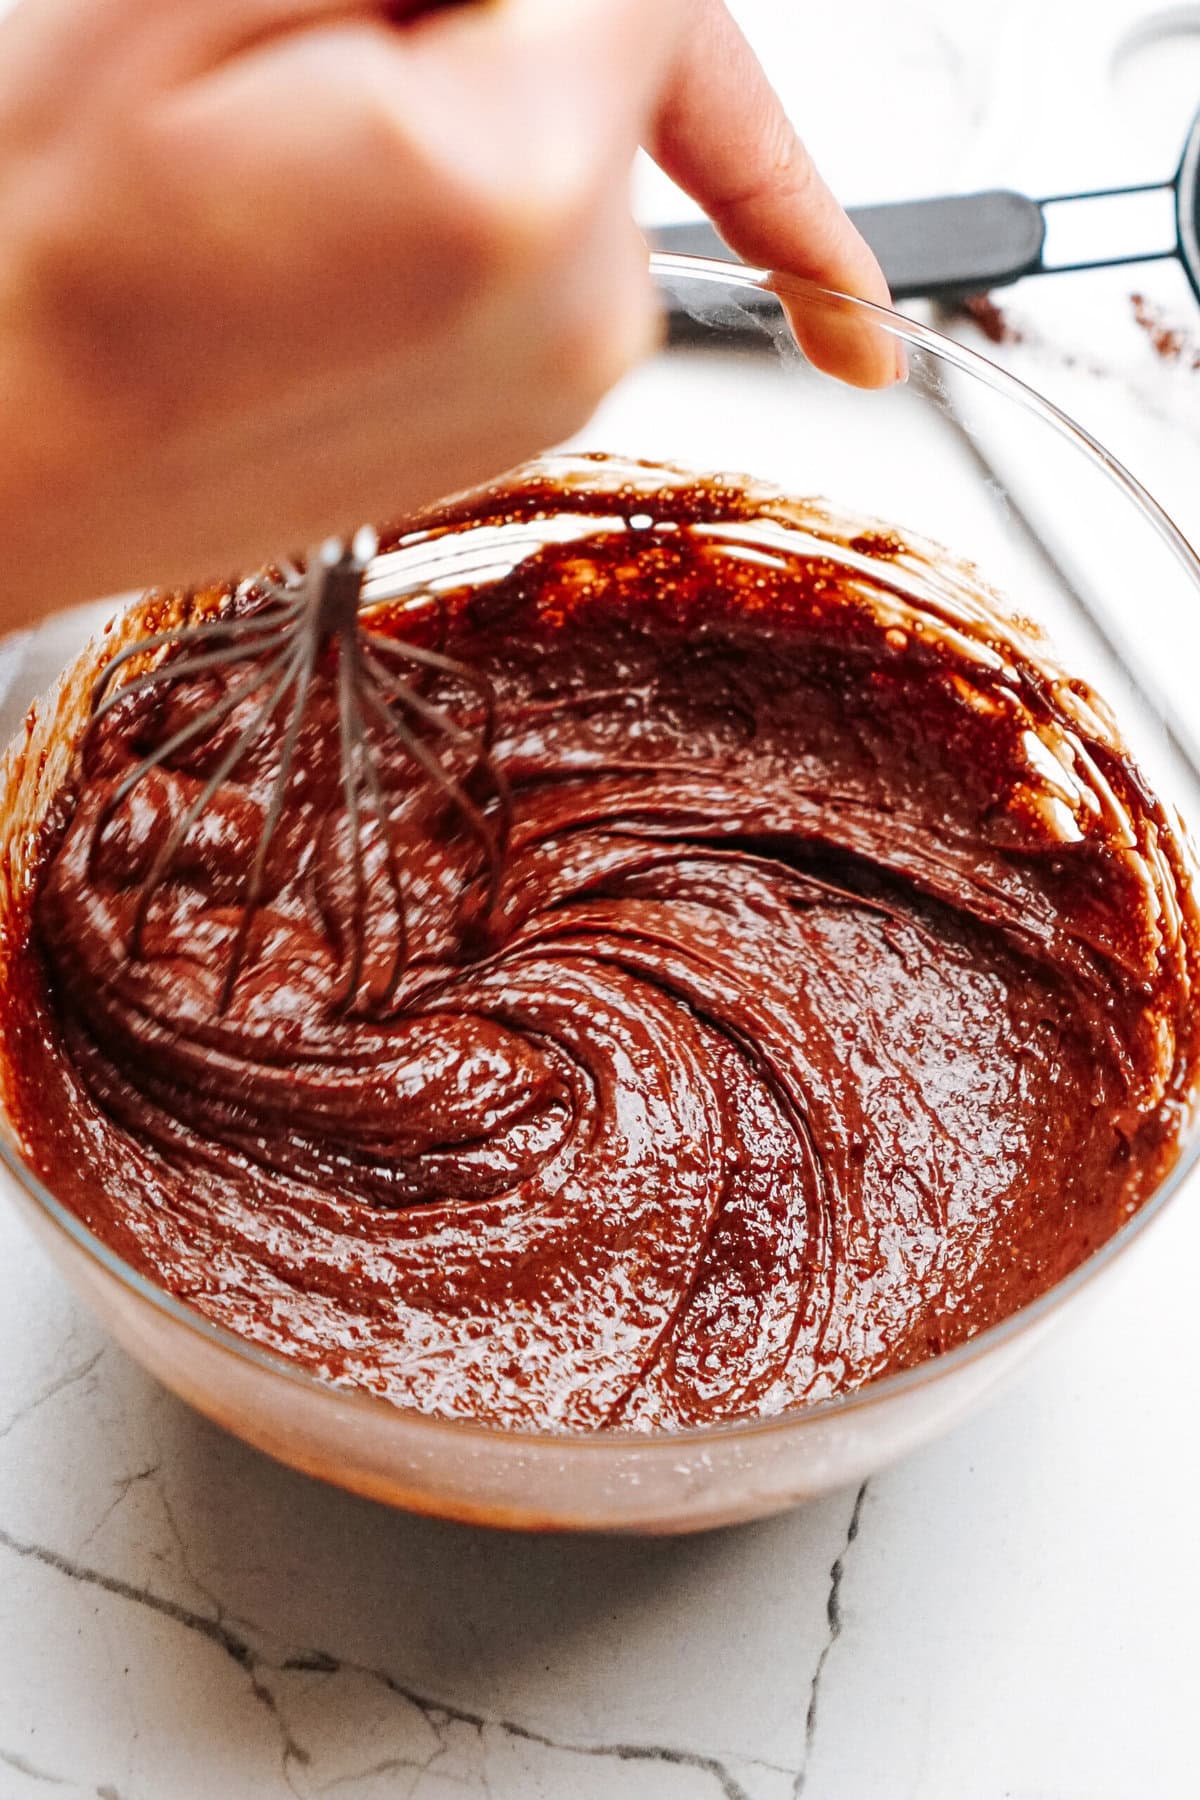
<point x="938" y="249"/>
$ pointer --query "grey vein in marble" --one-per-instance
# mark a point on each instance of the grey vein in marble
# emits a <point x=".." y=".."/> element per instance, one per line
<point x="68" y="1379"/>
<point x="13" y="1760"/>
<point x="833" y="1615"/>
<point x="438" y="1715"/>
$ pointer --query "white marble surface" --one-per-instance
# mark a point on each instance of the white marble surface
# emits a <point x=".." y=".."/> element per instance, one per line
<point x="1014" y="1612"/>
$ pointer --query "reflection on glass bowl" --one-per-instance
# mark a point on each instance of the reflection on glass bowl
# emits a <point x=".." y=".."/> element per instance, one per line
<point x="745" y="399"/>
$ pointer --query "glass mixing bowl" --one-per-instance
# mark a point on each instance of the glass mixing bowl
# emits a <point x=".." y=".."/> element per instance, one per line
<point x="963" y="455"/>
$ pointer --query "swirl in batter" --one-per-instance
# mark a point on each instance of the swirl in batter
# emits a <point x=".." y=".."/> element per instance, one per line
<point x="839" y="1000"/>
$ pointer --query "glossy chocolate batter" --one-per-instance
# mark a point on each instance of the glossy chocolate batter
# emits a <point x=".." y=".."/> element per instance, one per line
<point x="837" y="1005"/>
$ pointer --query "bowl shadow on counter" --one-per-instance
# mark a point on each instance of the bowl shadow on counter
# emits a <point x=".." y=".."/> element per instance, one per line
<point x="553" y="1642"/>
<point x="224" y="1607"/>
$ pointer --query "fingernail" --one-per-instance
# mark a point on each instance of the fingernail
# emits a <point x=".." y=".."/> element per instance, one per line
<point x="901" y="360"/>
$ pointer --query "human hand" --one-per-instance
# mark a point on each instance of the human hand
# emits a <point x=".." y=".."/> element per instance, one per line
<point x="268" y="267"/>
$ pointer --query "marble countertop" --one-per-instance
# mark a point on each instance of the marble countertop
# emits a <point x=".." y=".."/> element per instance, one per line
<point x="1014" y="1612"/>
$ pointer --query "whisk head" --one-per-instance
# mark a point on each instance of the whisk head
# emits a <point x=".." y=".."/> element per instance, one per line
<point x="282" y="633"/>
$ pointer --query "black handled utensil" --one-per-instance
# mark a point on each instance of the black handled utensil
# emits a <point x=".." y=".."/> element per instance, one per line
<point x="963" y="244"/>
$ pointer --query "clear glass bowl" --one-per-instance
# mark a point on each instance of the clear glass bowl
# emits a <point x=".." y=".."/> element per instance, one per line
<point x="963" y="455"/>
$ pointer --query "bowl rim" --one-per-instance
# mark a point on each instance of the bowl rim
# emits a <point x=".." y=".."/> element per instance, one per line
<point x="1014" y="1325"/>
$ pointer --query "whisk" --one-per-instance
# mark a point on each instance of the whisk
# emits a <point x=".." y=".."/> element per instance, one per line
<point x="267" y="644"/>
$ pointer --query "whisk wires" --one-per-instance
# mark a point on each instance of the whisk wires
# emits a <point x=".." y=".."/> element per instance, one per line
<point x="264" y="650"/>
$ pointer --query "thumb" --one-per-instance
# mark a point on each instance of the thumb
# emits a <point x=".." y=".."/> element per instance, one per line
<point x="723" y="135"/>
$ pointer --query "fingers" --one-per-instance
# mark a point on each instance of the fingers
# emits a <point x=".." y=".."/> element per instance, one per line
<point x="320" y="191"/>
<point x="502" y="133"/>
<point x="531" y="105"/>
<point x="157" y="45"/>
<point x="194" y="35"/>
<point x="722" y="133"/>
<point x="593" y="67"/>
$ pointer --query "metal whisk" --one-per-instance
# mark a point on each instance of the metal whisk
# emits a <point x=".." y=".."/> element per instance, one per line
<point x="280" y="628"/>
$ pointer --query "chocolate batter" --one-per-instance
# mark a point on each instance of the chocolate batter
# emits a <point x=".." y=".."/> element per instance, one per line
<point x="838" y="1001"/>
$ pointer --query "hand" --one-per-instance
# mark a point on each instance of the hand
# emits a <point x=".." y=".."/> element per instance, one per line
<point x="268" y="267"/>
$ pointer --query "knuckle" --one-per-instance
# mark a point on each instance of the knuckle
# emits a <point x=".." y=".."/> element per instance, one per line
<point x="590" y="352"/>
<point x="507" y="193"/>
<point x="515" y="230"/>
<point x="493" y="237"/>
